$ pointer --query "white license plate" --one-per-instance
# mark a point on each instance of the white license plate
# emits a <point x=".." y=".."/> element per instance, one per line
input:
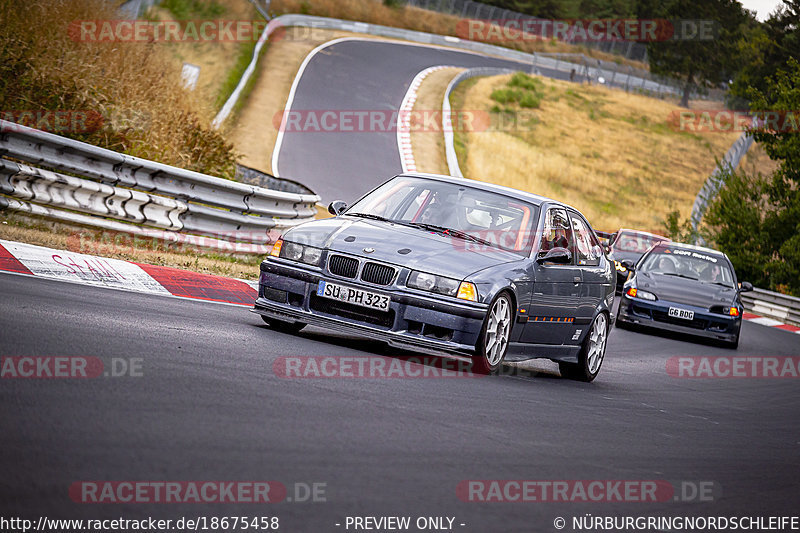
<point x="353" y="296"/>
<point x="677" y="312"/>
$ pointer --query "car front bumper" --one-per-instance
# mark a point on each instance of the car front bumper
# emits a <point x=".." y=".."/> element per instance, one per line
<point x="288" y="292"/>
<point x="655" y="314"/>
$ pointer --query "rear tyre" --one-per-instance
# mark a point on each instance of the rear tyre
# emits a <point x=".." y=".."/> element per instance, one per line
<point x="592" y="353"/>
<point x="284" y="327"/>
<point x="493" y="339"/>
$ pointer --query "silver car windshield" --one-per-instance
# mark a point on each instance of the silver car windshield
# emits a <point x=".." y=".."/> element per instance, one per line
<point x="484" y="217"/>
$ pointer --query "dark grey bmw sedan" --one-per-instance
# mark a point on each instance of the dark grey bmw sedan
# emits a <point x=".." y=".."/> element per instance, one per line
<point x="449" y="265"/>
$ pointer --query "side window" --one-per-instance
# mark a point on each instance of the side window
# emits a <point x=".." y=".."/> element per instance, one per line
<point x="587" y="249"/>
<point x="557" y="232"/>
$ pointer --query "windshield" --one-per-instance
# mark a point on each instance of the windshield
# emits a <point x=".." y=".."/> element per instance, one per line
<point x="492" y="219"/>
<point x="688" y="264"/>
<point x="632" y="241"/>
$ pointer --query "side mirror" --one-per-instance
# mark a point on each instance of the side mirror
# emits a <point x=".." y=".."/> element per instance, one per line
<point x="337" y="207"/>
<point x="746" y="287"/>
<point x="627" y="263"/>
<point x="560" y="256"/>
<point x="607" y="249"/>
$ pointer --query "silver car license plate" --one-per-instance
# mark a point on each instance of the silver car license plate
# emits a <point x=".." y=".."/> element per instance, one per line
<point x="353" y="296"/>
<point x="677" y="312"/>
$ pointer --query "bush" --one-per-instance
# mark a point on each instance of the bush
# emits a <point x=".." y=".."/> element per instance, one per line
<point x="132" y="86"/>
<point x="523" y="81"/>
<point x="529" y="100"/>
<point x="506" y="96"/>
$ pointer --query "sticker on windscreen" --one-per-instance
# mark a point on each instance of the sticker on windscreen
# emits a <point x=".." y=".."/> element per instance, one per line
<point x="693" y="255"/>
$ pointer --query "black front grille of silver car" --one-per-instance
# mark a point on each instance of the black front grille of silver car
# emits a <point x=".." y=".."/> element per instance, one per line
<point x="377" y="274"/>
<point x="340" y="265"/>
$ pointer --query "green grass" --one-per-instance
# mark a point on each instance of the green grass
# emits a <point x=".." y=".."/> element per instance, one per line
<point x="243" y="58"/>
<point x="521" y="90"/>
<point x="188" y="9"/>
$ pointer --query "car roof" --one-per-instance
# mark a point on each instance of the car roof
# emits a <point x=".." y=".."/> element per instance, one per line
<point x="620" y="230"/>
<point x="482" y="185"/>
<point x="693" y="247"/>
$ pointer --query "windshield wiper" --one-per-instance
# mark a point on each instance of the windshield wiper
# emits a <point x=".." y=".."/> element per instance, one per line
<point x="371" y="217"/>
<point x="678" y="275"/>
<point x="451" y="231"/>
<point x="719" y="283"/>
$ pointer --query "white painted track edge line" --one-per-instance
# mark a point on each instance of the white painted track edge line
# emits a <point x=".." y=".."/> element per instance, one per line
<point x="290" y="100"/>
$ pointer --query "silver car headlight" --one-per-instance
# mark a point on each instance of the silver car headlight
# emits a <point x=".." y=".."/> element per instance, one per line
<point x="433" y="283"/>
<point x="300" y="253"/>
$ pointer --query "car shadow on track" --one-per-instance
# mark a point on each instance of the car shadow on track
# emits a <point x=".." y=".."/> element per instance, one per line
<point x="535" y="368"/>
<point x="672" y="335"/>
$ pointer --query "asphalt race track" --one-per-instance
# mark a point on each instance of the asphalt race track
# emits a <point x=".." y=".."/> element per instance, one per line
<point x="208" y="406"/>
<point x="361" y="75"/>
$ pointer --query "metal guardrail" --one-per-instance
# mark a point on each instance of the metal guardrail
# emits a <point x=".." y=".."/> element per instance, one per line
<point x="716" y="180"/>
<point x="447" y="124"/>
<point x="773" y="305"/>
<point x="595" y="69"/>
<point x="141" y="191"/>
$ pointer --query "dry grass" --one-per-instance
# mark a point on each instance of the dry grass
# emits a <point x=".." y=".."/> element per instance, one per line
<point x="428" y="146"/>
<point x="215" y="58"/>
<point x="413" y="18"/>
<point x="608" y="153"/>
<point x="134" y="86"/>
<point x="32" y="230"/>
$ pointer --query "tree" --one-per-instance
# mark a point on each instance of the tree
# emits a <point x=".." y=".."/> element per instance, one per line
<point x="756" y="219"/>
<point x="699" y="62"/>
<point x="767" y="48"/>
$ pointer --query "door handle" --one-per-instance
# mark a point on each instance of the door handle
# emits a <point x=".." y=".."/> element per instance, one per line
<point x="577" y="279"/>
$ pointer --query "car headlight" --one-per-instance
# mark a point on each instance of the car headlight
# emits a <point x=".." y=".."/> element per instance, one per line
<point x="312" y="255"/>
<point x="297" y="252"/>
<point x="619" y="266"/>
<point x="292" y="251"/>
<point x="633" y="292"/>
<point x="433" y="283"/>
<point x="729" y="311"/>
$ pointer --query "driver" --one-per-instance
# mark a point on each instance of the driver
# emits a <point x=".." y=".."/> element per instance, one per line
<point x="440" y="211"/>
<point x="556" y="237"/>
<point x="713" y="274"/>
<point x="666" y="266"/>
<point x="560" y="235"/>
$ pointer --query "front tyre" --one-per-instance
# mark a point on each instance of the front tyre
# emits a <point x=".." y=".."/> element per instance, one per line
<point x="493" y="340"/>
<point x="732" y="345"/>
<point x="591" y="355"/>
<point x="284" y="327"/>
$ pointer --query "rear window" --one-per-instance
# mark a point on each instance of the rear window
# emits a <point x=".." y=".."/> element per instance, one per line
<point x="631" y="241"/>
